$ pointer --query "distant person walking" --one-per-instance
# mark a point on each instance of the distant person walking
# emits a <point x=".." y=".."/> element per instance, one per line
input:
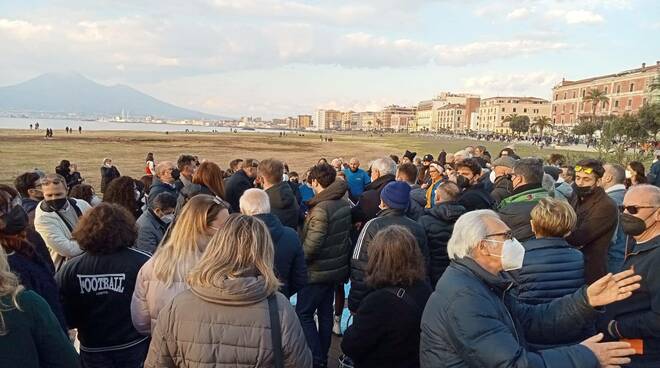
<point x="109" y="172"/>
<point x="150" y="168"/>
<point x="79" y="129"/>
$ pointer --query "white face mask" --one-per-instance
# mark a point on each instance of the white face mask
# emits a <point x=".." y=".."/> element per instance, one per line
<point x="513" y="254"/>
<point x="167" y="218"/>
<point x="492" y="177"/>
<point x="628" y="174"/>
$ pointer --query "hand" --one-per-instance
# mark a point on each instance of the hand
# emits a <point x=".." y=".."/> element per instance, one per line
<point x="609" y="354"/>
<point x="612" y="288"/>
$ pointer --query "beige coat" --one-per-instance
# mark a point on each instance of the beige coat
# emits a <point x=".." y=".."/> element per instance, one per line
<point x="228" y="326"/>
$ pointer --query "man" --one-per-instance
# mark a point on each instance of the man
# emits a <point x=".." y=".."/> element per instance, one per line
<point x="356" y="178"/>
<point x="479" y="155"/>
<point x="567" y="174"/>
<point x="153" y="223"/>
<point x="653" y="176"/>
<point x="326" y="244"/>
<point x="438" y="223"/>
<point x="516" y="209"/>
<point x="289" y="260"/>
<point x="283" y="203"/>
<point x="234" y="165"/>
<point x="165" y="181"/>
<point x="476" y="194"/>
<point x="408" y="157"/>
<point x="407" y="173"/>
<point x="338" y="164"/>
<point x="383" y="172"/>
<point x="612" y="182"/>
<point x="239" y="182"/>
<point x="394" y="200"/>
<point x="471" y="320"/>
<point x="500" y="175"/>
<point x="187" y="165"/>
<point x="56" y="217"/>
<point x="596" y="218"/>
<point x="637" y="318"/>
<point x="561" y="189"/>
<point x="423" y="171"/>
<point x="29" y="187"/>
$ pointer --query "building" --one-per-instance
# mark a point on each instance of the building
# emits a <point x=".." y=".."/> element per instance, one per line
<point x="304" y="121"/>
<point x="396" y="117"/>
<point x="292" y="123"/>
<point x="367" y="120"/>
<point x="423" y="117"/>
<point x="349" y="120"/>
<point x="328" y="119"/>
<point x="494" y="110"/>
<point x="626" y="91"/>
<point x="426" y="120"/>
<point x="452" y="118"/>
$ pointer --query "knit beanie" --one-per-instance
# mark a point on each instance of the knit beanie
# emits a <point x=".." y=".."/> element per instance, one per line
<point x="396" y="195"/>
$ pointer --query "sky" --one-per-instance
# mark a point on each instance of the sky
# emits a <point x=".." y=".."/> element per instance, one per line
<point x="274" y="58"/>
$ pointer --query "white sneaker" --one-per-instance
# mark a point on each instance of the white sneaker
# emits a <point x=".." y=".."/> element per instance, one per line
<point x="336" y="326"/>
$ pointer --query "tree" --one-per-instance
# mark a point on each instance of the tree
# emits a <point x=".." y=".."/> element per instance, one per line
<point x="596" y="97"/>
<point x="585" y="127"/>
<point x="649" y="118"/>
<point x="542" y="122"/>
<point x="518" y="123"/>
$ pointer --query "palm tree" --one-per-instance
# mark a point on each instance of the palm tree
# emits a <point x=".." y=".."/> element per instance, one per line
<point x="596" y="96"/>
<point x="542" y="122"/>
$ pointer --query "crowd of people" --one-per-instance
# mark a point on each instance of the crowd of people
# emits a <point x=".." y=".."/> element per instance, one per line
<point x="463" y="260"/>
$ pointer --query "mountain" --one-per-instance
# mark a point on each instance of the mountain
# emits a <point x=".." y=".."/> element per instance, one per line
<point x="73" y="93"/>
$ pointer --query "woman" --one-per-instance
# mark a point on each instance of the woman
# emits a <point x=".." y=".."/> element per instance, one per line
<point x="30" y="336"/>
<point x="435" y="172"/>
<point x="635" y="174"/>
<point x="223" y="320"/>
<point x="96" y="289"/>
<point x="164" y="275"/>
<point x="124" y="192"/>
<point x="385" y="331"/>
<point x="206" y="180"/>
<point x="150" y="168"/>
<point x="86" y="193"/>
<point x="109" y="173"/>
<point x="69" y="172"/>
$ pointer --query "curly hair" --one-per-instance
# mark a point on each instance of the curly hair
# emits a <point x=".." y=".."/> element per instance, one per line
<point x="82" y="191"/>
<point x="324" y="174"/>
<point x="121" y="191"/>
<point x="105" y="229"/>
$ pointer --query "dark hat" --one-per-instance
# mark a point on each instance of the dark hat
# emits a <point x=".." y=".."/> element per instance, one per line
<point x="552" y="171"/>
<point x="396" y="195"/>
<point x="410" y="155"/>
<point x="428" y="157"/>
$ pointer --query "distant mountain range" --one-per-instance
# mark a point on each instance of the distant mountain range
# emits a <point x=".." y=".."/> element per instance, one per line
<point x="73" y="93"/>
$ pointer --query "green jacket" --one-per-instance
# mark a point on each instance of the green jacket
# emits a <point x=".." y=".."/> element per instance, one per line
<point x="325" y="235"/>
<point x="516" y="209"/>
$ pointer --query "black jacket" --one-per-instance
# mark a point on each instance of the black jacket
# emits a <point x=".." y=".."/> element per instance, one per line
<point x="471" y="320"/>
<point x="387" y="217"/>
<point x="108" y="174"/>
<point x="187" y="193"/>
<point x="438" y="223"/>
<point x="290" y="265"/>
<point x="417" y="202"/>
<point x="367" y="206"/>
<point x="283" y="204"/>
<point x="96" y="293"/>
<point x="375" y="339"/>
<point x="235" y="186"/>
<point x="502" y="188"/>
<point x="477" y="197"/>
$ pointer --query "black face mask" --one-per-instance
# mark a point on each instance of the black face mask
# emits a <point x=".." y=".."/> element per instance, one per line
<point x="176" y="174"/>
<point x="294" y="181"/>
<point x="56" y="204"/>
<point x="15" y="221"/>
<point x="632" y="225"/>
<point x="584" y="191"/>
<point x="462" y="182"/>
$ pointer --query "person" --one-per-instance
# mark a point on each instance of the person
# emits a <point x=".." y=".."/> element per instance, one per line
<point x="30" y="335"/>
<point x="150" y="165"/>
<point x="122" y="191"/>
<point x="337" y="164"/>
<point x="96" y="289"/>
<point x="234" y="166"/>
<point x="187" y="165"/>
<point x="356" y="178"/>
<point x="597" y="218"/>
<point x="326" y="244"/>
<point x="407" y="173"/>
<point x="635" y="318"/>
<point x="397" y="274"/>
<point x="471" y="320"/>
<point x="635" y="174"/>
<point x="109" y="173"/>
<point x="69" y="172"/>
<point x="515" y="209"/>
<point x="207" y="179"/>
<point x="239" y="182"/>
<point x="423" y="171"/>
<point x="653" y="176"/>
<point x="56" y="217"/>
<point x="164" y="275"/>
<point x="557" y="185"/>
<point x="383" y="171"/>
<point x="568" y="174"/>
<point x="289" y="261"/>
<point x="394" y="200"/>
<point x="29" y="187"/>
<point x="613" y="184"/>
<point x="223" y="320"/>
<point x="165" y="181"/>
<point x="283" y="202"/>
<point x="408" y="158"/>
<point x="475" y="192"/>
<point x="438" y="223"/>
<point x="86" y="193"/>
<point x="501" y="178"/>
<point x="436" y="177"/>
<point x="153" y="223"/>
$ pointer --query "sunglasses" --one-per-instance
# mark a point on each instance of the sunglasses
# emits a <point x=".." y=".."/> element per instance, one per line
<point x="633" y="210"/>
<point x="586" y="170"/>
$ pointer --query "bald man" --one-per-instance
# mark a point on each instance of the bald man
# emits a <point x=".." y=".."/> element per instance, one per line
<point x="638" y="317"/>
<point x="356" y="178"/>
<point x="165" y="181"/>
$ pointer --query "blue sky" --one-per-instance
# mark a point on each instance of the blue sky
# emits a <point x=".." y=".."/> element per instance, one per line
<point x="275" y="58"/>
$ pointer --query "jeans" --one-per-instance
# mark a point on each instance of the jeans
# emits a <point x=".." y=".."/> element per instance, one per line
<point x="132" y="357"/>
<point x="317" y="298"/>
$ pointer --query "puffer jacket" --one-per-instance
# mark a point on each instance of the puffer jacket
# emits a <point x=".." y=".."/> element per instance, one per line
<point x="438" y="223"/>
<point x="226" y="326"/>
<point x="387" y="217"/>
<point x="471" y="320"/>
<point x="150" y="296"/>
<point x="516" y="209"/>
<point x="325" y="235"/>
<point x="283" y="204"/>
<point x="417" y="202"/>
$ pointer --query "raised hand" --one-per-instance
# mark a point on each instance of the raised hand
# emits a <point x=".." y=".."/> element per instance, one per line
<point x="609" y="354"/>
<point x="612" y="288"/>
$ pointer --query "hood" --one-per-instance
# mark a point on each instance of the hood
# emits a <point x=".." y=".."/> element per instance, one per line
<point x="334" y="191"/>
<point x="274" y="225"/>
<point x="239" y="291"/>
<point x="379" y="183"/>
<point x="565" y="189"/>
<point x="281" y="195"/>
<point x="448" y="212"/>
<point x="29" y="204"/>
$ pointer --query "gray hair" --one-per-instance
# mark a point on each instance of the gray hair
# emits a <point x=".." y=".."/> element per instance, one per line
<point x="618" y="173"/>
<point x="384" y="166"/>
<point x="469" y="230"/>
<point x="652" y="193"/>
<point x="254" y="202"/>
<point x="548" y="184"/>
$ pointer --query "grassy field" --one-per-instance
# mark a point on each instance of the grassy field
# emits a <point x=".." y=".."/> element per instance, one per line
<point x="23" y="150"/>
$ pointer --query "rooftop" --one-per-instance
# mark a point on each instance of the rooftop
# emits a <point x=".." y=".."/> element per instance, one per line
<point x="644" y="68"/>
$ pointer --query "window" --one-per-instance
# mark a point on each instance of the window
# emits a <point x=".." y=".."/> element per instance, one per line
<point x="629" y="102"/>
<point x="557" y="96"/>
<point x="618" y="88"/>
<point x="632" y="86"/>
<point x="554" y="108"/>
<point x="565" y="94"/>
<point x="583" y="92"/>
<point x="616" y="103"/>
<point x="605" y="90"/>
<point x="503" y="109"/>
<point x="525" y="110"/>
<point x="514" y="109"/>
<point x="573" y="94"/>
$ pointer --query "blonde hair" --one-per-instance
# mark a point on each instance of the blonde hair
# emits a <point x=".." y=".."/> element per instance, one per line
<point x="553" y="217"/>
<point x="242" y="248"/>
<point x="9" y="285"/>
<point x="177" y="255"/>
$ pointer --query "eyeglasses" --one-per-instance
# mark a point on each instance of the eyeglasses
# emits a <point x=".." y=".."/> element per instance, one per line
<point x="586" y="170"/>
<point x="508" y="235"/>
<point x="633" y="210"/>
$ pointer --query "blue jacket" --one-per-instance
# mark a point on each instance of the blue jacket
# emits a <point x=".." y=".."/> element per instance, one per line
<point x="617" y="250"/>
<point x="290" y="265"/>
<point x="654" y="174"/>
<point x="151" y="230"/>
<point x="471" y="320"/>
<point x="159" y="187"/>
<point x="356" y="181"/>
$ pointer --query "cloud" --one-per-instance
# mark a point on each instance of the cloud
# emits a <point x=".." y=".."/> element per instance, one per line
<point x="21" y="29"/>
<point x="478" y="52"/>
<point x="518" y="13"/>
<point x="576" y="16"/>
<point x="493" y="84"/>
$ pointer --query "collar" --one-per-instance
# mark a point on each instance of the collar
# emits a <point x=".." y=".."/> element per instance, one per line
<point x="493" y="281"/>
<point x="646" y="246"/>
<point x="549" y="242"/>
<point x="526" y="187"/>
<point x="390" y="212"/>
<point x="615" y="188"/>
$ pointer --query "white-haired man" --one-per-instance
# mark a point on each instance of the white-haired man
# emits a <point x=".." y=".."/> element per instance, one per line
<point x="472" y="321"/>
<point x="383" y="171"/>
<point x="289" y="257"/>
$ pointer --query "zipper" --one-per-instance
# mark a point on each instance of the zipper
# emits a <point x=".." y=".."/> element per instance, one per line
<point x="509" y="313"/>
